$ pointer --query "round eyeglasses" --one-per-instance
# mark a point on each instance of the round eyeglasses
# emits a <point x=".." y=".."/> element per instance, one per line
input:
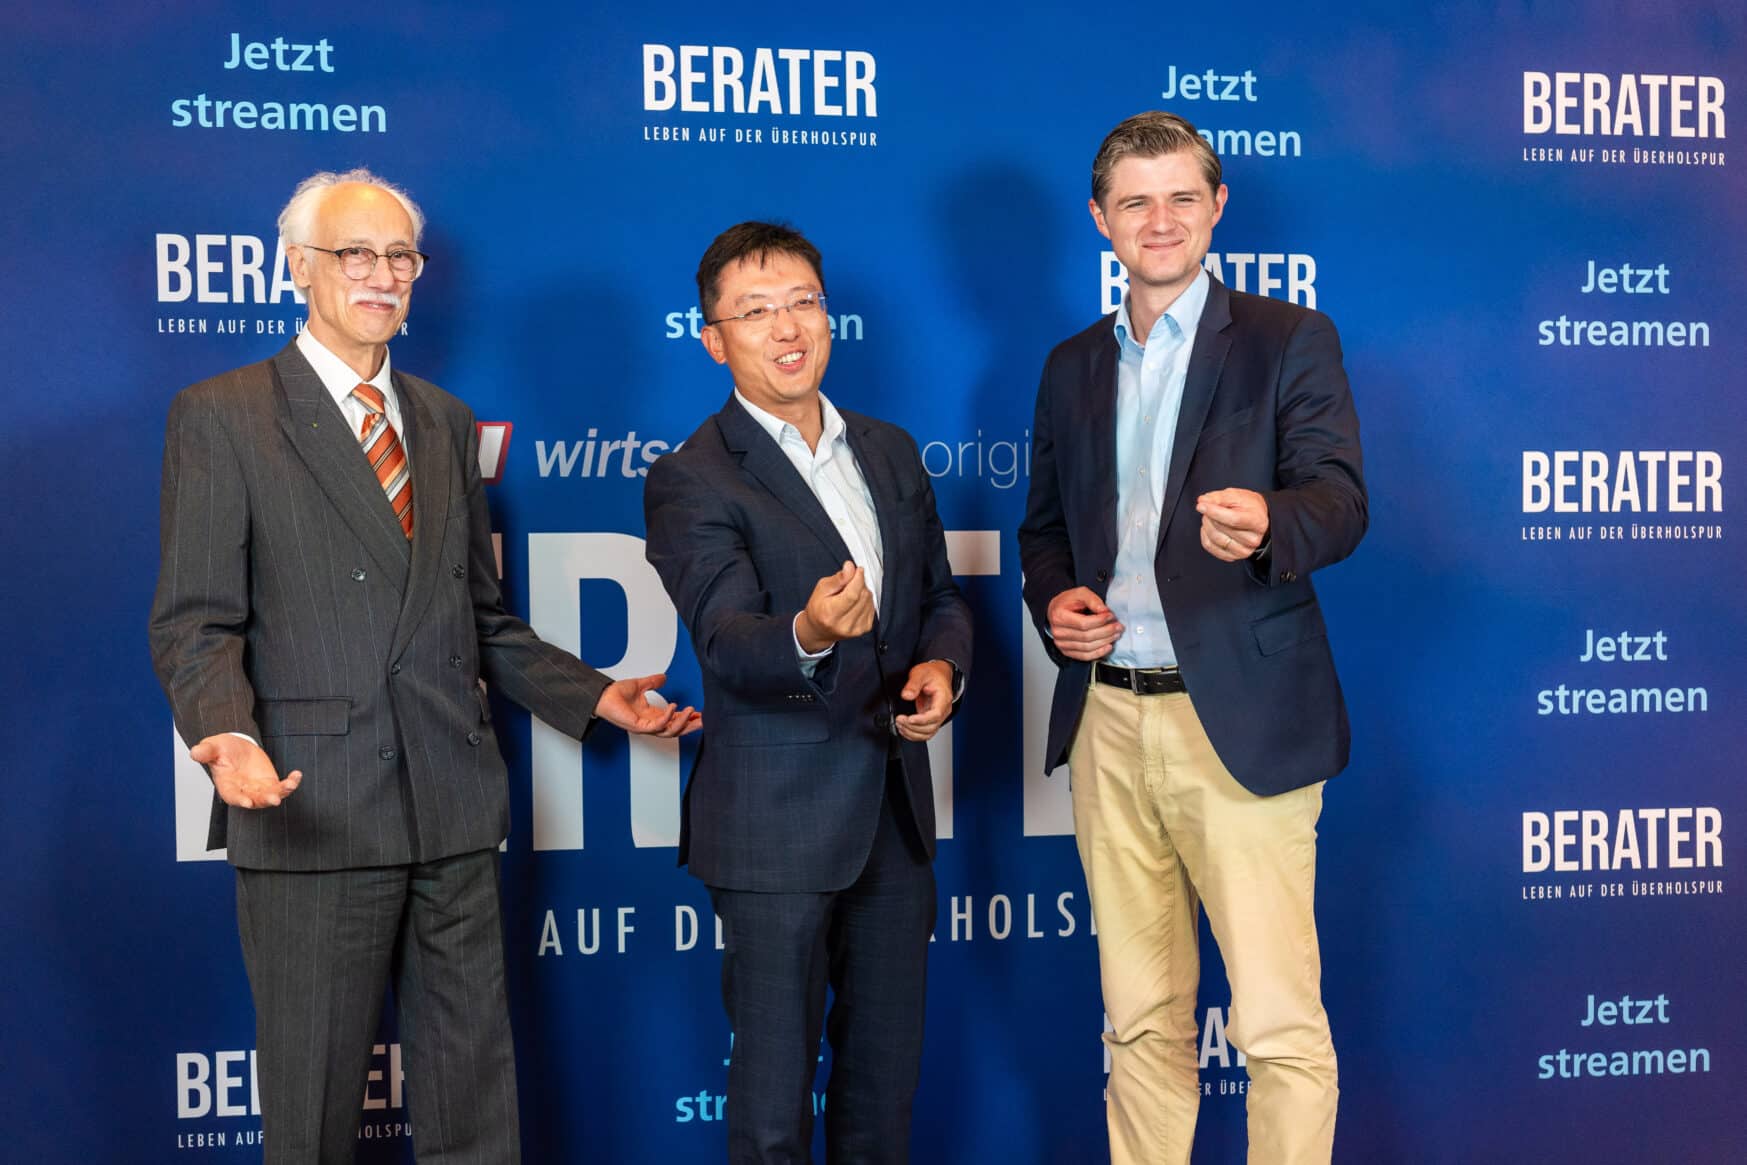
<point x="360" y="262"/>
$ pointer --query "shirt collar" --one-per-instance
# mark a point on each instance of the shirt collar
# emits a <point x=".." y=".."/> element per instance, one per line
<point x="336" y="375"/>
<point x="830" y="419"/>
<point x="1184" y="315"/>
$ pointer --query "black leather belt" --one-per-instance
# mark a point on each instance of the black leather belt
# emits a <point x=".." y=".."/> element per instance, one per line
<point x="1142" y="681"/>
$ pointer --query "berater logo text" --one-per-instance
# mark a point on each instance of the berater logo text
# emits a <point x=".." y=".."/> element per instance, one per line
<point x="1637" y="119"/>
<point x="738" y="85"/>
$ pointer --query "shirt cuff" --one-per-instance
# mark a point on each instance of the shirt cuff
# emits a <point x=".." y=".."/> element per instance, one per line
<point x="809" y="660"/>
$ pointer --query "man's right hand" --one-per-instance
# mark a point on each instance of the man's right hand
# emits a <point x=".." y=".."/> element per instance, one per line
<point x="1082" y="626"/>
<point x="841" y="607"/>
<point x="241" y="772"/>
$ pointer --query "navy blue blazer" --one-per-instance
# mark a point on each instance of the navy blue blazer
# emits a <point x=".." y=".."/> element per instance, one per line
<point x="1265" y="407"/>
<point x="786" y="792"/>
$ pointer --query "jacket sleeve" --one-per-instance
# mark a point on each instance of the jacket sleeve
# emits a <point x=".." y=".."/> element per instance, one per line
<point x="1045" y="553"/>
<point x="946" y="616"/>
<point x="543" y="678"/>
<point x="200" y="610"/>
<point x="1318" y="511"/>
<point x="742" y="637"/>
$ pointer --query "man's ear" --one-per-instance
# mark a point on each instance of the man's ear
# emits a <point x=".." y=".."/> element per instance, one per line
<point x="712" y="338"/>
<point x="298" y="261"/>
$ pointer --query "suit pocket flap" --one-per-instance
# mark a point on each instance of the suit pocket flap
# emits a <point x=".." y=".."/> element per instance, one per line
<point x="1289" y="628"/>
<point x="769" y="728"/>
<point x="304" y="717"/>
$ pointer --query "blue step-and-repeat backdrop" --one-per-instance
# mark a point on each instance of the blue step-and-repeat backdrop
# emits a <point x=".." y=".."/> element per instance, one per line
<point x="1530" y="224"/>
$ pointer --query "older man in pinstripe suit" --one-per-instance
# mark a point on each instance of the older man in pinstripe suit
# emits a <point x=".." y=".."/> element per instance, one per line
<point x="327" y="606"/>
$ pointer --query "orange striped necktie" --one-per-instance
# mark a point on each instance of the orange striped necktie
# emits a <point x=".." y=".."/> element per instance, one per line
<point x="382" y="449"/>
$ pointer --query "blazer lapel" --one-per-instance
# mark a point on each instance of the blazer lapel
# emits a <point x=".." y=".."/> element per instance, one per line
<point x="883" y="485"/>
<point x="760" y="457"/>
<point x="432" y="457"/>
<point x="318" y="430"/>
<point x="1206" y="361"/>
<point x="1098" y="446"/>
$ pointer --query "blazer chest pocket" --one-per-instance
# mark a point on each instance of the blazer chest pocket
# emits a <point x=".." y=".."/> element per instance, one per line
<point x="761" y="729"/>
<point x="1289" y="628"/>
<point x="327" y="717"/>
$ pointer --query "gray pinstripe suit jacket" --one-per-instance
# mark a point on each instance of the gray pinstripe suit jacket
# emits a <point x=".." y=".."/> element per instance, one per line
<point x="290" y="607"/>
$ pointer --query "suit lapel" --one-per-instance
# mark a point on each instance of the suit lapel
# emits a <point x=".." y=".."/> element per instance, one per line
<point x="432" y="457"/>
<point x="1098" y="451"/>
<point x="883" y="485"/>
<point x="318" y="430"/>
<point x="760" y="457"/>
<point x="1206" y="360"/>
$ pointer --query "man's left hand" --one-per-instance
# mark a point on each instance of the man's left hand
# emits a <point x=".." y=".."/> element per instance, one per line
<point x="1234" y="523"/>
<point x="929" y="686"/>
<point x="623" y="704"/>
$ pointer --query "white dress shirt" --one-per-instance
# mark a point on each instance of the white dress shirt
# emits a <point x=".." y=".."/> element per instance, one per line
<point x="831" y="472"/>
<point x="339" y="379"/>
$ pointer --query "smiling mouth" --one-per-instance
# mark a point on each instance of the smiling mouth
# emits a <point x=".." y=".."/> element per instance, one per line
<point x="790" y="358"/>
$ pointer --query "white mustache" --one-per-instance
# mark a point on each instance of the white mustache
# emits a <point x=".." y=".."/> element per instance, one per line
<point x="384" y="297"/>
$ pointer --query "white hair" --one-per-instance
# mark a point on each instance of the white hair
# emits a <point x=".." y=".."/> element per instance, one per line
<point x="297" y="220"/>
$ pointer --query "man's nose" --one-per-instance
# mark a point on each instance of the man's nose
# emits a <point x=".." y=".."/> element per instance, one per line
<point x="381" y="277"/>
<point x="784" y="323"/>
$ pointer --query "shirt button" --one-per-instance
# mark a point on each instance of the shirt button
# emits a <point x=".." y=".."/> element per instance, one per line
<point x="386" y="753"/>
<point x="357" y="574"/>
<point x="474" y="738"/>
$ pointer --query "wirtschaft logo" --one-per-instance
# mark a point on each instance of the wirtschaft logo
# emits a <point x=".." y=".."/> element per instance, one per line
<point x="1655" y="119"/>
<point x="758" y="96"/>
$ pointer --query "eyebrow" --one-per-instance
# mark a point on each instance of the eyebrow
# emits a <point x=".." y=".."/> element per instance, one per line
<point x="802" y="288"/>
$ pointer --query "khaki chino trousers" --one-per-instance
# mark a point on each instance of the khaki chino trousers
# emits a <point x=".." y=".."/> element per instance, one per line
<point x="1163" y="828"/>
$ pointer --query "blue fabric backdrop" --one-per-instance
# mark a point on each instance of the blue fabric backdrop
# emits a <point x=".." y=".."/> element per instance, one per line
<point x="1503" y="859"/>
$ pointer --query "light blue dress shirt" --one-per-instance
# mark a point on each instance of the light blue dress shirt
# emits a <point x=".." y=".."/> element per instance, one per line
<point x="1149" y="395"/>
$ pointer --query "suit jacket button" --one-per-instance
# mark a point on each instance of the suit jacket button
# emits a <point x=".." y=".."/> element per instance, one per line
<point x="473" y="738"/>
<point x="454" y="661"/>
<point x="357" y="574"/>
<point x="386" y="753"/>
<point x="1288" y="576"/>
<point x="458" y="570"/>
<point x="883" y="646"/>
<point x="394" y="670"/>
<point x="883" y="721"/>
<point x="1103" y="576"/>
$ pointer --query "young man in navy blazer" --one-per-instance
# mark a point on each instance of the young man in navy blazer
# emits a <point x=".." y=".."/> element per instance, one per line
<point x="1196" y="457"/>
<point x="800" y="544"/>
